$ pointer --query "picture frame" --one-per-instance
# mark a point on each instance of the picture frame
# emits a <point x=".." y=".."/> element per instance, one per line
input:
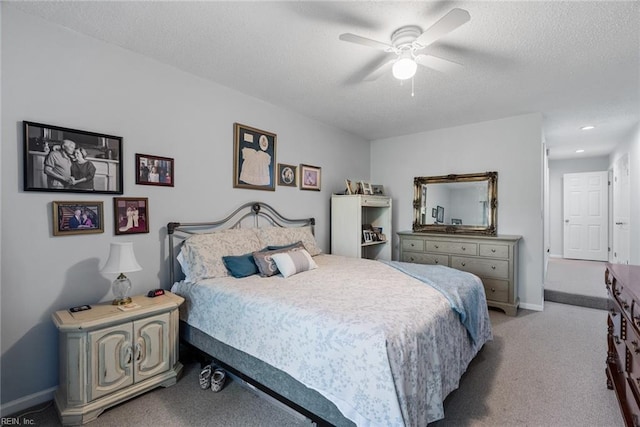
<point x="366" y="188"/>
<point x="59" y="159"/>
<point x="155" y="170"/>
<point x="350" y="187"/>
<point x="440" y="214"/>
<point x="377" y="189"/>
<point x="310" y="177"/>
<point x="254" y="158"/>
<point x="287" y="175"/>
<point x="456" y="221"/>
<point x="367" y="236"/>
<point x="77" y="217"/>
<point x="434" y="212"/>
<point x="131" y="215"/>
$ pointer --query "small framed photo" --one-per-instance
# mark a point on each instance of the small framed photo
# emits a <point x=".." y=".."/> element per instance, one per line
<point x="351" y="188"/>
<point x="434" y="212"/>
<point x="287" y="175"/>
<point x="456" y="221"/>
<point x="154" y="170"/>
<point x="310" y="177"/>
<point x="70" y="160"/>
<point x="79" y="217"/>
<point x="254" y="158"/>
<point x="440" y="214"/>
<point x="366" y="188"/>
<point x="377" y="190"/>
<point x="367" y="236"/>
<point x="131" y="215"/>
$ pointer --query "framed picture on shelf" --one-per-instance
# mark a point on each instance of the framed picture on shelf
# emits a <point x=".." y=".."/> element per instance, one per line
<point x="287" y="175"/>
<point x="366" y="188"/>
<point x="131" y="215"/>
<point x="377" y="190"/>
<point x="154" y="170"/>
<point x="456" y="221"/>
<point x="310" y="177"/>
<point x="367" y="236"/>
<point x="254" y="158"/>
<point x="440" y="214"/>
<point x="70" y="160"/>
<point x="351" y="189"/>
<point x="77" y="217"/>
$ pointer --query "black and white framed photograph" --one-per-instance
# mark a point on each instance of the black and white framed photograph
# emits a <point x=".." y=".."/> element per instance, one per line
<point x="77" y="217"/>
<point x="154" y="170"/>
<point x="310" y="177"/>
<point x="377" y="189"/>
<point x="367" y="236"/>
<point x="287" y="175"/>
<point x="366" y="188"/>
<point x="456" y="221"/>
<point x="440" y="214"/>
<point x="254" y="158"/>
<point x="70" y="160"/>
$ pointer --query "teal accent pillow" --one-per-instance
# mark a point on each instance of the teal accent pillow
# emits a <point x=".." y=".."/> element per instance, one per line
<point x="240" y="265"/>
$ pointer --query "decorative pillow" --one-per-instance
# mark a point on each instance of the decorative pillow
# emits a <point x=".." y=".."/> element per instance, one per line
<point x="291" y="246"/>
<point x="266" y="266"/>
<point x="240" y="265"/>
<point x="271" y="236"/>
<point x="290" y="263"/>
<point x="202" y="253"/>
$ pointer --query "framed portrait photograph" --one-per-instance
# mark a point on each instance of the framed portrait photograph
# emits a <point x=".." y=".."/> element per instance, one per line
<point x="377" y="190"/>
<point x="366" y="188"/>
<point x="287" y="175"/>
<point x="70" y="160"/>
<point x="254" y="158"/>
<point x="351" y="189"/>
<point x="440" y="214"/>
<point x="310" y="177"/>
<point x="456" y="221"/>
<point x="77" y="217"/>
<point x="154" y="170"/>
<point x="367" y="236"/>
<point x="131" y="215"/>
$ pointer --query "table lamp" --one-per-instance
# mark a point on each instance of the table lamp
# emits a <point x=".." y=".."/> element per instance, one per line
<point x="121" y="260"/>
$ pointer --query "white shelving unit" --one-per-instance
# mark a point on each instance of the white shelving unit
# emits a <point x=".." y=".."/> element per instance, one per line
<point x="348" y="214"/>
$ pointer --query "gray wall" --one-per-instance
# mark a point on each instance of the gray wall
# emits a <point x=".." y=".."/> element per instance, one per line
<point x="557" y="168"/>
<point x="55" y="76"/>
<point x="511" y="146"/>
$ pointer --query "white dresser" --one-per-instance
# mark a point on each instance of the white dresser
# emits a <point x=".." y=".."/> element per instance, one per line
<point x="492" y="258"/>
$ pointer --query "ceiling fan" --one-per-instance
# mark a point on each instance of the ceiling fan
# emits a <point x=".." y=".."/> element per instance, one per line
<point x="407" y="41"/>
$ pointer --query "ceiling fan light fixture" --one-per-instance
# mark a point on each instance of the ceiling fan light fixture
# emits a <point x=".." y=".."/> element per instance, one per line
<point x="404" y="68"/>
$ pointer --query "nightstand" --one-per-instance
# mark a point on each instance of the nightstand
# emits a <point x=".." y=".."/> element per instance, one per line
<point x="108" y="355"/>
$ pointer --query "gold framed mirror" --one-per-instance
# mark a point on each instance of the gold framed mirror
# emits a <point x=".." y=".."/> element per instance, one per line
<point x="464" y="204"/>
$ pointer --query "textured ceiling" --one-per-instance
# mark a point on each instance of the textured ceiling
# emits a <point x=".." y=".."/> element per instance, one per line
<point x="576" y="62"/>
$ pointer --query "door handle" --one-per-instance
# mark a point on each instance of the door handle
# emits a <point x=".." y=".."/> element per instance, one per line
<point x="620" y="223"/>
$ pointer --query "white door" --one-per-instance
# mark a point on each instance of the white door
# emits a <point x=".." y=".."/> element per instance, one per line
<point x="621" y="210"/>
<point x="586" y="216"/>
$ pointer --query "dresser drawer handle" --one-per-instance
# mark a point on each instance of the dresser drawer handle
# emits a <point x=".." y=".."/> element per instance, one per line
<point x="435" y="261"/>
<point x="412" y="245"/>
<point x="464" y="249"/>
<point x="493" y="267"/>
<point x="436" y="246"/>
<point x="463" y="264"/>
<point x="493" y="289"/>
<point x="493" y="250"/>
<point x="412" y="259"/>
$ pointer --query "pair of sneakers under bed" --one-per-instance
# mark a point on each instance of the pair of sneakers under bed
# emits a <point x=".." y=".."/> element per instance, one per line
<point x="211" y="377"/>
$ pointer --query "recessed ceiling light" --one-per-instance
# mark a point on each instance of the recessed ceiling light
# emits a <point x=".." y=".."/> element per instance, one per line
<point x="589" y="127"/>
<point x="580" y="151"/>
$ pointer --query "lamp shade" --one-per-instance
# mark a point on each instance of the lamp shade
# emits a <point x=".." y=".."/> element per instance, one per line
<point x="404" y="68"/>
<point x="121" y="259"/>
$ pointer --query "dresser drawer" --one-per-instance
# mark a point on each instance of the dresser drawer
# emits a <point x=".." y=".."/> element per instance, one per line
<point x="422" y="258"/>
<point x="413" y="244"/>
<point x="492" y="268"/>
<point x="494" y="251"/>
<point x="496" y="290"/>
<point x="382" y="202"/>
<point x="461" y="248"/>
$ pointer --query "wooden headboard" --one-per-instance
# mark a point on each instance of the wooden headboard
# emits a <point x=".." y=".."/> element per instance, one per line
<point x="249" y="215"/>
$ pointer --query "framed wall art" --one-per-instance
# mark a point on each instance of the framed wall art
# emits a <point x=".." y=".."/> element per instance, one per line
<point x="310" y="177"/>
<point x="287" y="175"/>
<point x="131" y="215"/>
<point x="70" y="160"/>
<point x="77" y="217"/>
<point x="440" y="214"/>
<point x="254" y="158"/>
<point x="154" y="170"/>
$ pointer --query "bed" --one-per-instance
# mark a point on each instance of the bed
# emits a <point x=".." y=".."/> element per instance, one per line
<point x="344" y="341"/>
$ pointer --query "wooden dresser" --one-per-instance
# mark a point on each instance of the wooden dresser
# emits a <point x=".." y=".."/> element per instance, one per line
<point x="492" y="258"/>
<point x="623" y="338"/>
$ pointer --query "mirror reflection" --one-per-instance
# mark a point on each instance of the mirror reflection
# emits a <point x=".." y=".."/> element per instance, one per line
<point x="456" y="203"/>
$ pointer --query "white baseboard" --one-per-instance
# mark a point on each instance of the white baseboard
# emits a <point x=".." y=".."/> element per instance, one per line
<point x="535" y="307"/>
<point x="555" y="255"/>
<point x="27" y="402"/>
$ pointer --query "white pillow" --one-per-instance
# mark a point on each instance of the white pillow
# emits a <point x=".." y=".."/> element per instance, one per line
<point x="202" y="253"/>
<point x="280" y="236"/>
<point x="184" y="266"/>
<point x="294" y="262"/>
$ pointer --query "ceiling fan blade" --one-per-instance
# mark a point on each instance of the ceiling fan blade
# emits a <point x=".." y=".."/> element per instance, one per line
<point x="452" y="20"/>
<point x="438" y="64"/>
<point x="348" y="37"/>
<point x="379" y="71"/>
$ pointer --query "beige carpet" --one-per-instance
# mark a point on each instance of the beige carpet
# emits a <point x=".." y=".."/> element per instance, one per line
<point x="576" y="277"/>
<point x="541" y="369"/>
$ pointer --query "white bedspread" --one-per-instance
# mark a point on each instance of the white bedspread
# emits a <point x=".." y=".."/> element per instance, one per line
<point x="384" y="347"/>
